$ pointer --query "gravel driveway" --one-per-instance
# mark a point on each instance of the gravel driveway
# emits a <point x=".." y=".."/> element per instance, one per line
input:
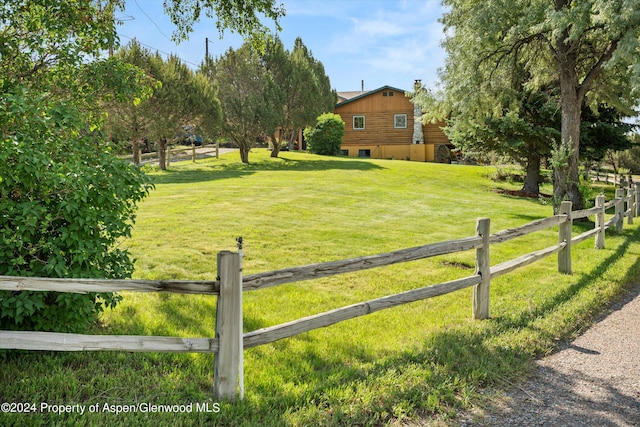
<point x="593" y="381"/>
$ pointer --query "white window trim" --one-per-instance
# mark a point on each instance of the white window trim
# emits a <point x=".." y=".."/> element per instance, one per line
<point x="395" y="121"/>
<point x="364" y="123"/>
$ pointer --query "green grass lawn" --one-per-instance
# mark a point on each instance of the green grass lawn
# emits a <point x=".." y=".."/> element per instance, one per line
<point x="423" y="360"/>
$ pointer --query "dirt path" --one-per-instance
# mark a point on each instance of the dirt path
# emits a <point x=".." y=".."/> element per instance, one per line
<point x="593" y="381"/>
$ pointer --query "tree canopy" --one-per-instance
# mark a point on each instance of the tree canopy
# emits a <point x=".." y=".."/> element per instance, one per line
<point x="67" y="201"/>
<point x="588" y="47"/>
<point x="240" y="16"/>
<point x="181" y="98"/>
<point x="264" y="90"/>
<point x="305" y="88"/>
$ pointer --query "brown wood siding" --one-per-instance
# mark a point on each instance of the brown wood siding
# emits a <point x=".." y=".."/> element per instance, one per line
<point x="380" y="137"/>
<point x="379" y="112"/>
<point x="433" y="133"/>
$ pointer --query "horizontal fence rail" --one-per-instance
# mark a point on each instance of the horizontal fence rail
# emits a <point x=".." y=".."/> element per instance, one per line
<point x="332" y="268"/>
<point x="289" y="329"/>
<point x="538" y="225"/>
<point x="524" y="260"/>
<point x="83" y="286"/>
<point x="176" y="153"/>
<point x="230" y="341"/>
<point x="55" y="341"/>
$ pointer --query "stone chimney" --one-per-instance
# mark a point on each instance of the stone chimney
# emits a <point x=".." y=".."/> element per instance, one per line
<point x="418" y="136"/>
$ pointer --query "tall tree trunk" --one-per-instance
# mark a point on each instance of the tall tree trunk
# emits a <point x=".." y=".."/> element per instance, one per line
<point x="291" y="140"/>
<point x="567" y="180"/>
<point x="532" y="177"/>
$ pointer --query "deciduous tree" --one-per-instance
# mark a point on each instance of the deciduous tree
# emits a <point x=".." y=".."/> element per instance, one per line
<point x="66" y="200"/>
<point x="587" y="46"/>
<point x="240" y="16"/>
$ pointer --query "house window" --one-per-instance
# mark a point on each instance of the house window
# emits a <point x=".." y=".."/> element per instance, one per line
<point x="358" y="122"/>
<point x="390" y="93"/>
<point x="364" y="153"/>
<point x="384" y="93"/>
<point x="344" y="153"/>
<point x="400" y="121"/>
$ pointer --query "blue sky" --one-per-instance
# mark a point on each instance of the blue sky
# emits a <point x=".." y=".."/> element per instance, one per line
<point x="383" y="42"/>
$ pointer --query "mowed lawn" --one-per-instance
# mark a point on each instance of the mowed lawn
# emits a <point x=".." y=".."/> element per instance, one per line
<point x="421" y="361"/>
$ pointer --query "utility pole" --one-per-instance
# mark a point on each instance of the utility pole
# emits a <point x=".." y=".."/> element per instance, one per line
<point x="206" y="49"/>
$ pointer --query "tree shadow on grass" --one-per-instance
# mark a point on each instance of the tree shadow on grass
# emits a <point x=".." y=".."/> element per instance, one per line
<point x="447" y="366"/>
<point x="352" y="385"/>
<point x="528" y="318"/>
<point x="220" y="171"/>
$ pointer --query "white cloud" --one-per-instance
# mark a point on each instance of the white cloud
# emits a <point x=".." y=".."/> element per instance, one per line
<point x="393" y="44"/>
<point x="376" y="28"/>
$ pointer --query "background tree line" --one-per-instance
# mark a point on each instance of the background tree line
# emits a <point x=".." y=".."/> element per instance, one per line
<point x="244" y="95"/>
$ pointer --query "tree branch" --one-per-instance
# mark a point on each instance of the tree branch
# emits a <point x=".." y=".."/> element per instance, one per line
<point x="506" y="51"/>
<point x="584" y="87"/>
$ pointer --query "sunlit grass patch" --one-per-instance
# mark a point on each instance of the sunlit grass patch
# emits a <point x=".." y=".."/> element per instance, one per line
<point x="423" y="359"/>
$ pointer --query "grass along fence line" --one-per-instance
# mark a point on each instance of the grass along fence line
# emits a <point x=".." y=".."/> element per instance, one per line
<point x="230" y="341"/>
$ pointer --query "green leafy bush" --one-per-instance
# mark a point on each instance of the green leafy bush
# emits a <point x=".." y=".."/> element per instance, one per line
<point x="326" y="137"/>
<point x="66" y="202"/>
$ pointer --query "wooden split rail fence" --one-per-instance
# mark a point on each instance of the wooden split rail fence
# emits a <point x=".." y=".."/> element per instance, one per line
<point x="230" y="341"/>
<point x="175" y="152"/>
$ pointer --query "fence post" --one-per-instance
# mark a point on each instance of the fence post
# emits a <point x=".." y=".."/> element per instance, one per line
<point x="620" y="209"/>
<point x="564" y="235"/>
<point x="193" y="152"/>
<point x="599" y="240"/>
<point x="637" y="211"/>
<point x="630" y="206"/>
<point x="228" y="361"/>
<point x="481" y="292"/>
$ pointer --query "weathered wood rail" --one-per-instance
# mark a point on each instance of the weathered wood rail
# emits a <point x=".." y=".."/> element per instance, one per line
<point x="176" y="152"/>
<point x="621" y="179"/>
<point x="230" y="341"/>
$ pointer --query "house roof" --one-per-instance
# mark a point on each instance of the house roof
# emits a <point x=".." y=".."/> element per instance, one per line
<point x="355" y="95"/>
<point x="344" y="96"/>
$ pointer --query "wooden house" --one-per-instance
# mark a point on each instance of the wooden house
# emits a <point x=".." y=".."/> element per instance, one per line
<point x="380" y="124"/>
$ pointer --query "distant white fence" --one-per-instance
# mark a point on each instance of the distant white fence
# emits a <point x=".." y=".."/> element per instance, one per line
<point x="179" y="153"/>
<point x="611" y="178"/>
<point x="229" y="341"/>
